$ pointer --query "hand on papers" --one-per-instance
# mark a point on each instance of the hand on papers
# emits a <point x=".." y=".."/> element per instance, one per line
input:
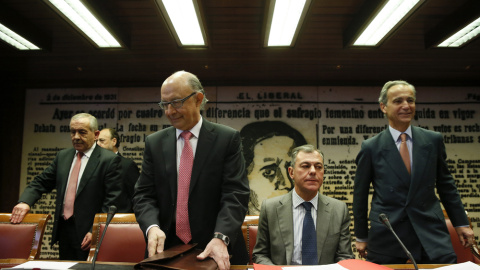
<point x="465" y="234"/>
<point x="87" y="241"/>
<point x="156" y="241"/>
<point x="217" y="250"/>
<point x="362" y="249"/>
<point x="19" y="212"/>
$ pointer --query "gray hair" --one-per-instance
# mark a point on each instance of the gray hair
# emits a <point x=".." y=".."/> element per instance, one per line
<point x="196" y="86"/>
<point x="307" y="148"/>
<point x="91" y="118"/>
<point x="383" y="94"/>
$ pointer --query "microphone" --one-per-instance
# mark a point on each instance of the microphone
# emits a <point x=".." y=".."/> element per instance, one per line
<point x="384" y="219"/>
<point x="111" y="212"/>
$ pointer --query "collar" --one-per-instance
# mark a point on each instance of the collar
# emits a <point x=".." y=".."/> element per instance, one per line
<point x="89" y="152"/>
<point x="195" y="130"/>
<point x="396" y="134"/>
<point x="297" y="200"/>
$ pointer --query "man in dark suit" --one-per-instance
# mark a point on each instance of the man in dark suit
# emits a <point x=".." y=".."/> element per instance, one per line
<point x="405" y="170"/>
<point x="110" y="140"/>
<point x="281" y="228"/>
<point x="94" y="187"/>
<point x="207" y="207"/>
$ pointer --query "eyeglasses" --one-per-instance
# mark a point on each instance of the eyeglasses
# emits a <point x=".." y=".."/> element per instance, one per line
<point x="177" y="103"/>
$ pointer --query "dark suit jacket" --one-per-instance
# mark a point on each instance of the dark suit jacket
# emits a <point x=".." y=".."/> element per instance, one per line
<point x="275" y="231"/>
<point x="218" y="189"/>
<point x="129" y="175"/>
<point x="410" y="202"/>
<point x="99" y="187"/>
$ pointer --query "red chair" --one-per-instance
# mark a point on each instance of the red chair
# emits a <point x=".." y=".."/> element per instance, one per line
<point x="23" y="240"/>
<point x="463" y="254"/>
<point x="249" y="230"/>
<point x="124" y="241"/>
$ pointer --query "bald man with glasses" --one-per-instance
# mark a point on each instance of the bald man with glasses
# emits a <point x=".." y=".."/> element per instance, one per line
<point x="193" y="187"/>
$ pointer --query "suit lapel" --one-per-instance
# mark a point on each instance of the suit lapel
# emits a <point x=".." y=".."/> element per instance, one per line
<point x="205" y="144"/>
<point x="422" y="148"/>
<point x="92" y="164"/>
<point x="323" y="219"/>
<point x="169" y="149"/>
<point x="392" y="157"/>
<point x="285" y="223"/>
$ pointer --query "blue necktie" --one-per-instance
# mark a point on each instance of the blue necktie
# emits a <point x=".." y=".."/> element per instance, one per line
<point x="309" y="237"/>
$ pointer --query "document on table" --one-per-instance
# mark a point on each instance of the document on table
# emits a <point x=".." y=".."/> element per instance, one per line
<point x="334" y="266"/>
<point x="461" y="266"/>
<point x="45" y="265"/>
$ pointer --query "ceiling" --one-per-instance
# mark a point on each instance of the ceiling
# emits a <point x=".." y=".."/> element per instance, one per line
<point x="236" y="55"/>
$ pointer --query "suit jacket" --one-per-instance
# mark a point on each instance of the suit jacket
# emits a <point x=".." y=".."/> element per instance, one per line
<point x="410" y="202"/>
<point x="275" y="231"/>
<point x="219" y="188"/>
<point x="99" y="187"/>
<point x="129" y="175"/>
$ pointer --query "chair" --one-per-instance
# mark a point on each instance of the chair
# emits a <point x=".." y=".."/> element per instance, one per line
<point x="23" y="240"/>
<point x="249" y="230"/>
<point x="463" y="254"/>
<point x="123" y="242"/>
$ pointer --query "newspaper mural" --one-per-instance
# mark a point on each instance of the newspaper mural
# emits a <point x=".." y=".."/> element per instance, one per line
<point x="272" y="121"/>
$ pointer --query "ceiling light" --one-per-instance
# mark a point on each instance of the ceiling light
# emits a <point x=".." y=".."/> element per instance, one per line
<point x="463" y="36"/>
<point x="184" y="21"/>
<point x="387" y="19"/>
<point x="284" y="21"/>
<point x="81" y="18"/>
<point x="15" y="40"/>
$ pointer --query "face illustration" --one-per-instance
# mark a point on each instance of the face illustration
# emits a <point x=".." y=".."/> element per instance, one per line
<point x="269" y="176"/>
<point x="400" y="107"/>
<point x="187" y="116"/>
<point x="82" y="136"/>
<point x="307" y="173"/>
<point x="105" y="140"/>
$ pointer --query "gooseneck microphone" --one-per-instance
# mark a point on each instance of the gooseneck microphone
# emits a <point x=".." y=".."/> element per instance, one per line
<point x="111" y="212"/>
<point x="384" y="219"/>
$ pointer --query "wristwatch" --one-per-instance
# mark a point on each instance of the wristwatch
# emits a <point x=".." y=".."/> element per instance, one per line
<point x="224" y="238"/>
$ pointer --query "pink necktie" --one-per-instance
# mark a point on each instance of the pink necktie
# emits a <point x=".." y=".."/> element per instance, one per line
<point x="184" y="175"/>
<point x="72" y="188"/>
<point x="404" y="151"/>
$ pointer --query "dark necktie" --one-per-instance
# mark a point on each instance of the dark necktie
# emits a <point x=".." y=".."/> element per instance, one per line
<point x="71" y="192"/>
<point x="404" y="151"/>
<point x="309" y="237"/>
<point x="184" y="175"/>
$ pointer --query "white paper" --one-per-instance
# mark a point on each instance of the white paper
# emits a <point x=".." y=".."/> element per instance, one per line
<point x="45" y="265"/>
<point x="461" y="266"/>
<point x="334" y="266"/>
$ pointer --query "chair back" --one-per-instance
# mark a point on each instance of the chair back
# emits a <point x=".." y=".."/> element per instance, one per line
<point x="123" y="242"/>
<point x="463" y="254"/>
<point x="249" y="230"/>
<point x="23" y="240"/>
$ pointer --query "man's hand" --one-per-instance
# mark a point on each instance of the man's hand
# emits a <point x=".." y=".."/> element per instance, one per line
<point x="362" y="249"/>
<point x="156" y="241"/>
<point x="87" y="241"/>
<point x="465" y="234"/>
<point x="217" y="250"/>
<point x="19" y="212"/>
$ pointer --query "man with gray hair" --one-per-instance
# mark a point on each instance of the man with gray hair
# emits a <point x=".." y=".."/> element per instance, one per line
<point x="406" y="166"/>
<point x="303" y="226"/>
<point x="87" y="181"/>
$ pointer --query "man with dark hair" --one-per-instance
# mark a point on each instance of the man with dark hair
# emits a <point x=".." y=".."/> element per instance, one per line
<point x="109" y="139"/>
<point x="87" y="181"/>
<point x="303" y="226"/>
<point x="407" y="167"/>
<point x="193" y="187"/>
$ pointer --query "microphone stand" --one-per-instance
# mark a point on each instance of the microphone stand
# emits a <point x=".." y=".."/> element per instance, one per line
<point x="384" y="219"/>
<point x="111" y="212"/>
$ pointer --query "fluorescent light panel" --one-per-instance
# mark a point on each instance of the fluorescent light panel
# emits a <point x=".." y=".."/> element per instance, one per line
<point x="15" y="39"/>
<point x="461" y="37"/>
<point x="185" y="20"/>
<point x="84" y="20"/>
<point x="285" y="22"/>
<point x="389" y="17"/>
